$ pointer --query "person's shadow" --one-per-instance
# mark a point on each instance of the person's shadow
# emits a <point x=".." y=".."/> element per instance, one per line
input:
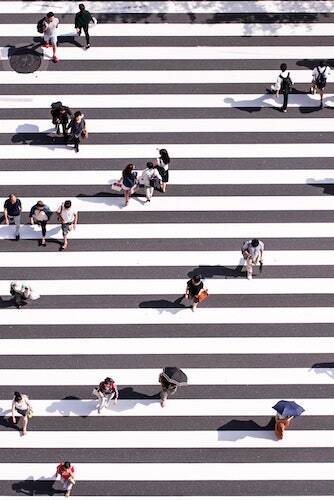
<point x="326" y="184"/>
<point x="239" y="429"/>
<point x="167" y="305"/>
<point x="324" y="368"/>
<point x="30" y="134"/>
<point x="254" y="105"/>
<point x="31" y="487"/>
<point x="6" y="304"/>
<point x="227" y="272"/>
<point x="72" y="405"/>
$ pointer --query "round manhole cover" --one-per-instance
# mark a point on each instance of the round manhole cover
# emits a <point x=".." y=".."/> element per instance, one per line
<point x="24" y="60"/>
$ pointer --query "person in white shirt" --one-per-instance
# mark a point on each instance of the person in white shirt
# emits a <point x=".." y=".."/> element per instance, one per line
<point x="21" y="292"/>
<point x="319" y="79"/>
<point x="50" y="33"/>
<point x="68" y="218"/>
<point x="21" y="405"/>
<point x="283" y="86"/>
<point x="149" y="177"/>
<point x="252" y="252"/>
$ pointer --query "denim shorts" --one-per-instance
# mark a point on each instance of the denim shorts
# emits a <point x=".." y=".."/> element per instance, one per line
<point x="50" y="38"/>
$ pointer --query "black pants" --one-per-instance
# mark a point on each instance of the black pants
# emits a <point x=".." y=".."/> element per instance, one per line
<point x="43" y="227"/>
<point x="64" y="125"/>
<point x="285" y="100"/>
<point x="85" y="28"/>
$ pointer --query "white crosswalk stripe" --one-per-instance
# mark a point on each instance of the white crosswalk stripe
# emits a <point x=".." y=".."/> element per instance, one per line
<point x="193" y="78"/>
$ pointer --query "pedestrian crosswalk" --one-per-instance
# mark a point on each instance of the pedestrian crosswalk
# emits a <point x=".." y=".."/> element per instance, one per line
<point x="191" y="77"/>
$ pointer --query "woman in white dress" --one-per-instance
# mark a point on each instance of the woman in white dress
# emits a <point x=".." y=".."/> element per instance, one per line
<point x="21" y="405"/>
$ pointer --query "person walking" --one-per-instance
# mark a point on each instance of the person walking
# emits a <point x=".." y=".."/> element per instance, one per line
<point x="66" y="472"/>
<point x="105" y="392"/>
<point x="252" y="252"/>
<point x="68" y="218"/>
<point x="319" y="80"/>
<point x="12" y="213"/>
<point x="40" y="215"/>
<point x="61" y="115"/>
<point x="82" y="20"/>
<point x="163" y="168"/>
<point x="151" y="179"/>
<point x="50" y="33"/>
<point x="281" y="423"/>
<point x="129" y="181"/>
<point x="167" y="389"/>
<point x="21" y="292"/>
<point x="77" y="129"/>
<point x="21" y="405"/>
<point x="195" y="291"/>
<point x="283" y="85"/>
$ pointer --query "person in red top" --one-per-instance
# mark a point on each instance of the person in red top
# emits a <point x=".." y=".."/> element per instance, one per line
<point x="66" y="472"/>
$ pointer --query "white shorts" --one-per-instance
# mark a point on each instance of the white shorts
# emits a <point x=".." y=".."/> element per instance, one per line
<point x="50" y="38"/>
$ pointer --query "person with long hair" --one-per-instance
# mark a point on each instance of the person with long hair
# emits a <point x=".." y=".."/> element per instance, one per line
<point x="129" y="182"/>
<point x="163" y="168"/>
<point x="21" y="405"/>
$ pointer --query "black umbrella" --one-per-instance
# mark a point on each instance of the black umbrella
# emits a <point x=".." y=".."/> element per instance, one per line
<point x="175" y="376"/>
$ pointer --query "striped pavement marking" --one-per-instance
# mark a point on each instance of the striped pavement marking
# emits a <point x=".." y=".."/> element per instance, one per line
<point x="291" y="471"/>
<point x="215" y="6"/>
<point x="175" y="408"/>
<point x="177" y="177"/>
<point x="152" y="77"/>
<point x="176" y="286"/>
<point x="28" y="101"/>
<point x="149" y="376"/>
<point x="168" y="316"/>
<point x="188" y="203"/>
<point x="165" y="259"/>
<point x="167" y="439"/>
<point x="126" y="151"/>
<point x="267" y="30"/>
<point x="180" y="230"/>
<point x="165" y="345"/>
<point x="162" y="125"/>
<point x="186" y="53"/>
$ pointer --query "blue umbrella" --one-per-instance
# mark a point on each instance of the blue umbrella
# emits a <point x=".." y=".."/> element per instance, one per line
<point x="288" y="408"/>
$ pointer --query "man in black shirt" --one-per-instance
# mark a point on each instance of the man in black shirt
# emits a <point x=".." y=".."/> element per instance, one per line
<point x="12" y="213"/>
<point x="82" y="20"/>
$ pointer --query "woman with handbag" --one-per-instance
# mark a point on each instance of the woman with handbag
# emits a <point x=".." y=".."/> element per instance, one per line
<point x="77" y="129"/>
<point x="40" y="215"/>
<point x="195" y="291"/>
<point x="151" y="179"/>
<point x="129" y="182"/>
<point x="163" y="168"/>
<point x="21" y="405"/>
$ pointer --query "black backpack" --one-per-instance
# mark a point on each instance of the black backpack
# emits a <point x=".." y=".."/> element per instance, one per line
<point x="321" y="78"/>
<point x="286" y="84"/>
<point x="41" y="25"/>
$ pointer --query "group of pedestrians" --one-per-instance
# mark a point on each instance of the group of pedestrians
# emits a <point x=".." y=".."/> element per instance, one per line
<point x="40" y="215"/>
<point x="284" y="83"/>
<point x="48" y="26"/>
<point x="154" y="176"/>
<point x="73" y="125"/>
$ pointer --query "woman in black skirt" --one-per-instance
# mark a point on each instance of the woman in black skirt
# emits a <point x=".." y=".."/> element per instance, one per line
<point x="163" y="168"/>
<point x="194" y="287"/>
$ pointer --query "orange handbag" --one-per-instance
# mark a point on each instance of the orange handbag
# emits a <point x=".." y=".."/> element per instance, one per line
<point x="203" y="295"/>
